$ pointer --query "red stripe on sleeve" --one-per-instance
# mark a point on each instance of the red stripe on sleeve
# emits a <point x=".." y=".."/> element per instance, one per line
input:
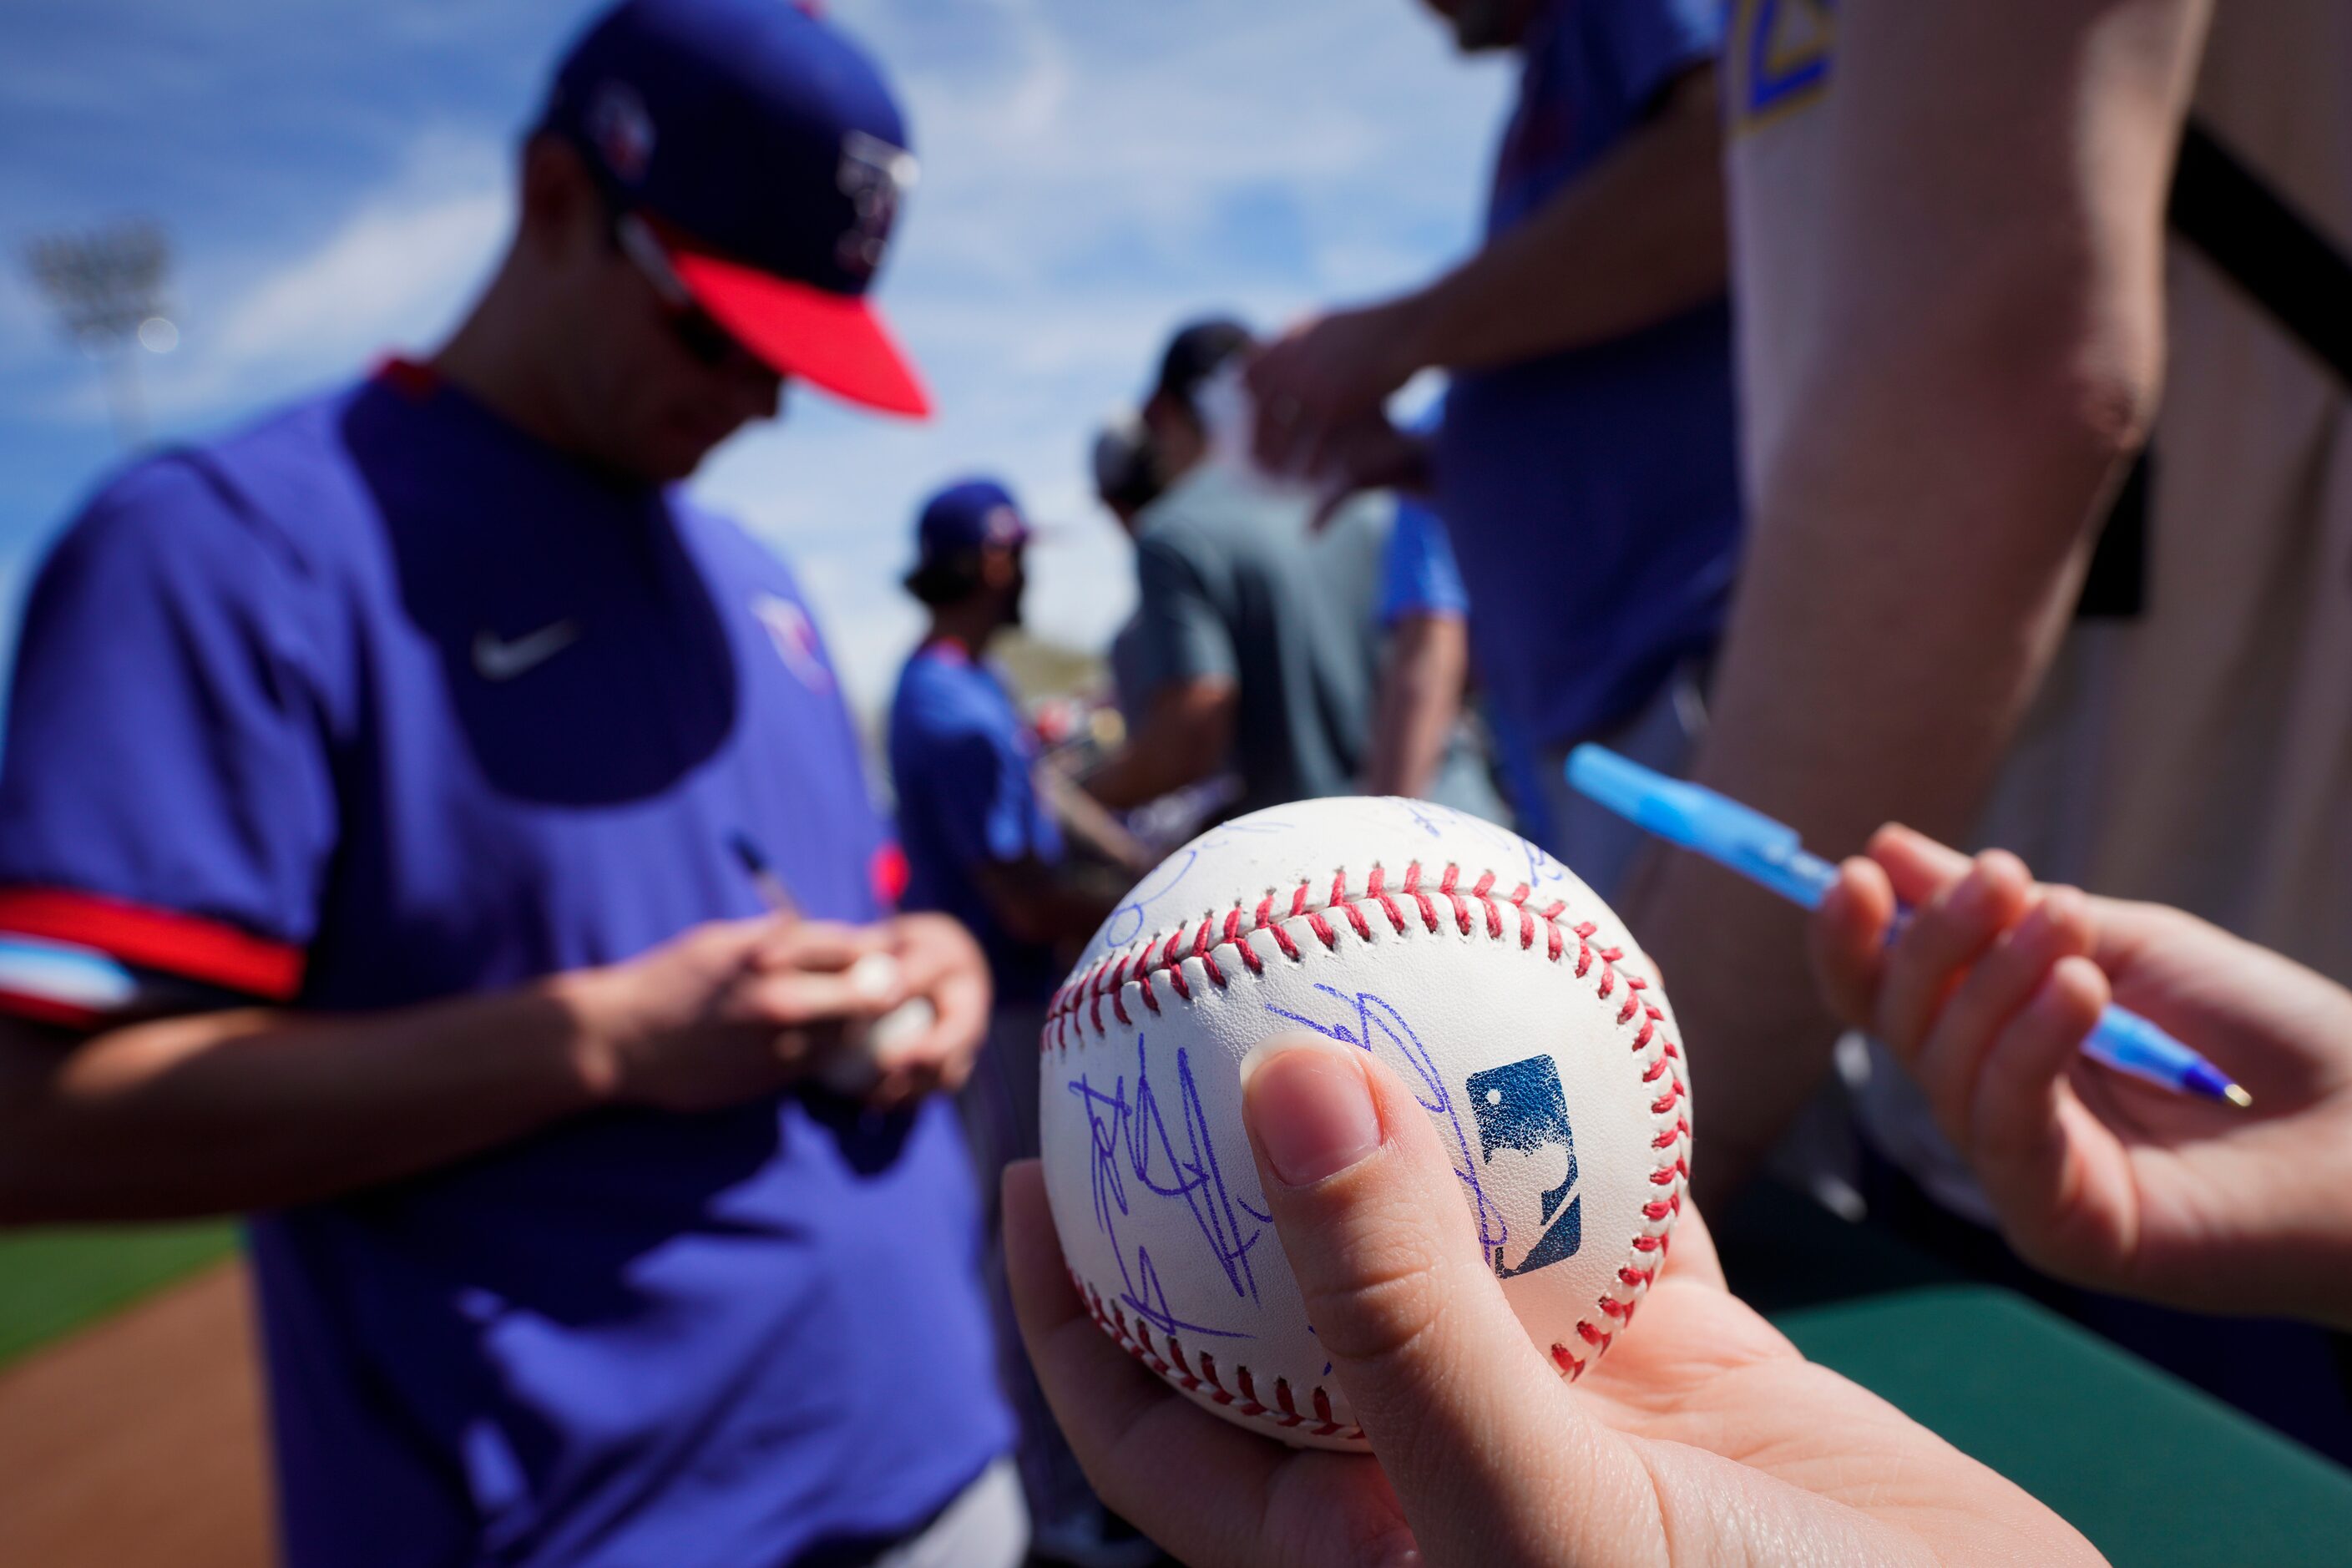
<point x="47" y="1010"/>
<point x="193" y="948"/>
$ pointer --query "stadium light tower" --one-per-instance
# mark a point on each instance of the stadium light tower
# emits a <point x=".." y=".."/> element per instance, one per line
<point x="107" y="286"/>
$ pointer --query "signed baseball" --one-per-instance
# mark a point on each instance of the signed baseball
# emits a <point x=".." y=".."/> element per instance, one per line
<point x="1496" y="984"/>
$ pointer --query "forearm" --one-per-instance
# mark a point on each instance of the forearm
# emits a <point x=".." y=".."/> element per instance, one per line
<point x="1987" y="352"/>
<point x="229" y="1113"/>
<point x="1181" y="741"/>
<point x="1834" y="713"/>
<point x="1420" y="701"/>
<point x="1637" y="239"/>
<point x="1139" y="774"/>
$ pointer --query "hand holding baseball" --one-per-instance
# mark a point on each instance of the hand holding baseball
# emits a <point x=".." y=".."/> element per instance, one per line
<point x="1987" y="994"/>
<point x="726" y="1010"/>
<point x="944" y="978"/>
<point x="1703" y="1437"/>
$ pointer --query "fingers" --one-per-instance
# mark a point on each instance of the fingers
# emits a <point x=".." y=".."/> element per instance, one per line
<point x="788" y="943"/>
<point x="1848" y="939"/>
<point x="1130" y="1431"/>
<point x="796" y="998"/>
<point x="1918" y="867"/>
<point x="2038" y="1149"/>
<point x="2021" y="1087"/>
<point x="1954" y="1055"/>
<point x="1272" y="374"/>
<point x="1459" y="1405"/>
<point x="1945" y="934"/>
<point x="943" y="966"/>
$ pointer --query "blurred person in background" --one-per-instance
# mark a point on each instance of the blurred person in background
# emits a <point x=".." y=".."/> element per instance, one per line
<point x="369" y="864"/>
<point x="1585" y="463"/>
<point x="1126" y="479"/>
<point x="1957" y="303"/>
<point x="982" y="845"/>
<point x="1255" y="645"/>
<point x="1426" y="742"/>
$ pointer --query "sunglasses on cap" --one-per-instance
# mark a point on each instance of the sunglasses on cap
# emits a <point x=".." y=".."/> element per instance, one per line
<point x="704" y="340"/>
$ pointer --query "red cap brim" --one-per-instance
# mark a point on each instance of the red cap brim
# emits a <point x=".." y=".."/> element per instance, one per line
<point x="836" y="341"/>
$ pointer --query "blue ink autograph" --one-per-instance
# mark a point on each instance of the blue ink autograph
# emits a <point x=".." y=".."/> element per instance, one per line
<point x="1132" y="1141"/>
<point x="1125" y="922"/>
<point x="1375" y="1021"/>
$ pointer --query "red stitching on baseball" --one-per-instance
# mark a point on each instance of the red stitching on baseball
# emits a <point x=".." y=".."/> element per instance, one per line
<point x="1136" y="1340"/>
<point x="1413" y="890"/>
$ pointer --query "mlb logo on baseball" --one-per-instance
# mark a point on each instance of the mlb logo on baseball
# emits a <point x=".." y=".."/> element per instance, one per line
<point x="1501" y="990"/>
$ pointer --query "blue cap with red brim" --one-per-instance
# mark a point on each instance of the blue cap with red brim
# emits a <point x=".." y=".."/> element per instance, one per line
<point x="770" y="158"/>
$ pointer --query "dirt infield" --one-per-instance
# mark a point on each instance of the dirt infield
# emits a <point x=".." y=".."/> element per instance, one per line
<point x="139" y="1440"/>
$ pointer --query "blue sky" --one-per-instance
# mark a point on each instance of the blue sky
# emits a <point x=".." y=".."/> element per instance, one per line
<point x="335" y="178"/>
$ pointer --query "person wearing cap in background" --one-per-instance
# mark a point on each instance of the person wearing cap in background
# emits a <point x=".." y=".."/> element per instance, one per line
<point x="1586" y="463"/>
<point x="1126" y="479"/>
<point x="1255" y="642"/>
<point x="373" y="841"/>
<point x="982" y="845"/>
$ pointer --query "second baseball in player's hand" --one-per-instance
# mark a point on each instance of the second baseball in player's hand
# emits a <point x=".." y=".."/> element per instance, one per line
<point x="1479" y="968"/>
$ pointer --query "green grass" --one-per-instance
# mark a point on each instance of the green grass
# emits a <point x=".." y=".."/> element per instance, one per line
<point x="53" y="1281"/>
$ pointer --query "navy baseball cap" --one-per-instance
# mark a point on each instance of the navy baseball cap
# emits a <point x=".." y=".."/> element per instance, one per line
<point x="768" y="158"/>
<point x="965" y="518"/>
<point x="1198" y="350"/>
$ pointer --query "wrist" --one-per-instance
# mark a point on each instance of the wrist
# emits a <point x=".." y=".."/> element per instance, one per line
<point x="602" y="1025"/>
<point x="1419" y="326"/>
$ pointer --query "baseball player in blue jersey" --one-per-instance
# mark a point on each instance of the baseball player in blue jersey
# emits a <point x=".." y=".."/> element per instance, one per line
<point x="368" y="865"/>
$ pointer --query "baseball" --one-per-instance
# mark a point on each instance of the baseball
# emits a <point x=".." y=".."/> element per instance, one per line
<point x="1476" y="966"/>
<point x="868" y="1051"/>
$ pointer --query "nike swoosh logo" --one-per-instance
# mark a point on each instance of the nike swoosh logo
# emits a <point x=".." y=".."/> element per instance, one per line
<point x="496" y="660"/>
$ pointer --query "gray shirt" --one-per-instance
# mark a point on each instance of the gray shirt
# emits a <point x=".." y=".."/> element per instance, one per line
<point x="1234" y="586"/>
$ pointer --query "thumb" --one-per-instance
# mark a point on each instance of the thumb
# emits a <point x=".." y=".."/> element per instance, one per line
<point x="1462" y="1409"/>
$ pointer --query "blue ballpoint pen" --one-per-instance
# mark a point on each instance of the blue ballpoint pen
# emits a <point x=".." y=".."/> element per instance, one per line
<point x="1768" y="852"/>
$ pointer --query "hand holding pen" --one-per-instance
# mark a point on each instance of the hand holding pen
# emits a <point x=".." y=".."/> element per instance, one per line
<point x="1987" y="994"/>
<point x="1993" y="989"/>
<point x="874" y="1057"/>
<point x="1769" y="854"/>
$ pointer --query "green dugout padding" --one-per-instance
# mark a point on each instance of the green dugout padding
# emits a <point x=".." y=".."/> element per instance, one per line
<point x="2154" y="1471"/>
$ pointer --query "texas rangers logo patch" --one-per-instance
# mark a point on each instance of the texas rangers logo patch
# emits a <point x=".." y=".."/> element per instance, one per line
<point x="621" y="130"/>
<point x="795" y="635"/>
<point x="875" y="177"/>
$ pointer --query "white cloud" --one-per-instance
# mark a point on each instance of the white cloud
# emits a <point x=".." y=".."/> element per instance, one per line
<point x="396" y="265"/>
<point x="393" y="272"/>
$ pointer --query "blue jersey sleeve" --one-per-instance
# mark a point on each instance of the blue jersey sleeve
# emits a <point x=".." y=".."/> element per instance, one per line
<point x="964" y="785"/>
<point x="166" y="804"/>
<point x="1648" y="43"/>
<point x="978" y="798"/>
<point x="1418" y="577"/>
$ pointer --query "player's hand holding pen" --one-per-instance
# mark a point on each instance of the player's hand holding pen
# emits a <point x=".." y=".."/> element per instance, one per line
<point x="729" y="1010"/>
<point x="1987" y="994"/>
